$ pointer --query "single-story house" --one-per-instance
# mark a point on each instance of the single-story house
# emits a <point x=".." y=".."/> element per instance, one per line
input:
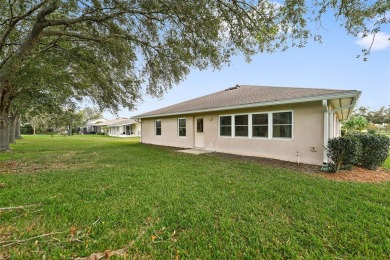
<point x="125" y="128"/>
<point x="291" y="124"/>
<point x="104" y="126"/>
<point x="93" y="126"/>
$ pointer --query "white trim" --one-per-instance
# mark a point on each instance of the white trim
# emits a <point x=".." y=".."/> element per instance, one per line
<point x="250" y="126"/>
<point x="155" y="127"/>
<point x="178" y="127"/>
<point x="234" y="117"/>
<point x="219" y="126"/>
<point x="233" y="126"/>
<point x="268" y="125"/>
<point x="350" y="94"/>
<point x="196" y="133"/>
<point x="292" y="126"/>
<point x="250" y="134"/>
<point x="326" y="128"/>
<point x="331" y="125"/>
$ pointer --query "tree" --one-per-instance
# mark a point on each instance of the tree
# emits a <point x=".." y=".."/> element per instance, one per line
<point x="112" y="51"/>
<point x="355" y="123"/>
<point x="90" y="113"/>
<point x="380" y="116"/>
<point x="36" y="107"/>
<point x="66" y="120"/>
<point x="60" y="119"/>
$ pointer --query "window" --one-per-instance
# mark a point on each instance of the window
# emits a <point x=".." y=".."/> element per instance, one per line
<point x="158" y="127"/>
<point x="199" y="125"/>
<point x="182" y="126"/>
<point x="241" y="125"/>
<point x="282" y="125"/>
<point x="225" y="123"/>
<point x="260" y="125"/>
<point x="265" y="125"/>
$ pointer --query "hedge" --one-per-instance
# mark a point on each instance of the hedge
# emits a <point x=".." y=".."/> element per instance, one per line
<point x="364" y="149"/>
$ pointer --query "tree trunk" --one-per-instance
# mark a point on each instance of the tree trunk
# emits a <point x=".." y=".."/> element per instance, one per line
<point x="4" y="125"/>
<point x="5" y="104"/>
<point x="11" y="129"/>
<point x="17" y="128"/>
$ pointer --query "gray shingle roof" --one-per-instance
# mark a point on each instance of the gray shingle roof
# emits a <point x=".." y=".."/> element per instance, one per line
<point x="245" y="95"/>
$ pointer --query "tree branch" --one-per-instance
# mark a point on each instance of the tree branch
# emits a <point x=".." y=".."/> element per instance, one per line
<point x="82" y="19"/>
<point x="27" y="239"/>
<point x="72" y="35"/>
<point x="15" y="20"/>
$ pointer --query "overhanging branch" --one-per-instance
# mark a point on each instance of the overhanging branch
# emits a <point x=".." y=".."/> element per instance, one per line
<point x="15" y="20"/>
<point x="72" y="35"/>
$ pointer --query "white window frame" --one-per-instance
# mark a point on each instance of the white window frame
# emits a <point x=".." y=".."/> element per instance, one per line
<point x="231" y="126"/>
<point x="250" y="126"/>
<point x="178" y="127"/>
<point x="268" y="122"/>
<point x="234" y="125"/>
<point x="272" y="125"/>
<point x="155" y="127"/>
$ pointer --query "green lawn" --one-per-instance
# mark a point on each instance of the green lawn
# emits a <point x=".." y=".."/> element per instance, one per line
<point x="387" y="163"/>
<point x="105" y="193"/>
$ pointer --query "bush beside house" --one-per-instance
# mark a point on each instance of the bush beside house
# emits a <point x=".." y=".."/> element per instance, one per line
<point x="363" y="149"/>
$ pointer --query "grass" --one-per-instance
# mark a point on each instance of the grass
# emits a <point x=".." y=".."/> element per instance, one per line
<point x="387" y="163"/>
<point x="109" y="193"/>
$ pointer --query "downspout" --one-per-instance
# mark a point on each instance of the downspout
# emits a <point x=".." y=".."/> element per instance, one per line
<point x="326" y="129"/>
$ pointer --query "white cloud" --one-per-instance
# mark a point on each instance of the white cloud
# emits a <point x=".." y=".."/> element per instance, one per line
<point x="381" y="41"/>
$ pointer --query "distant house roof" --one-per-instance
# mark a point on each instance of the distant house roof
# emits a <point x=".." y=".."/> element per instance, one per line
<point x="244" y="96"/>
<point x="96" y="121"/>
<point x="112" y="121"/>
<point x="124" y="122"/>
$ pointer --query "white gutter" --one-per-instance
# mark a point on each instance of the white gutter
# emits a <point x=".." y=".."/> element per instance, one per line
<point x="326" y="129"/>
<point x="262" y="104"/>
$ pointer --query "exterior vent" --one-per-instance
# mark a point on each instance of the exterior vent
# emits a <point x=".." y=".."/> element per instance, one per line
<point x="232" y="88"/>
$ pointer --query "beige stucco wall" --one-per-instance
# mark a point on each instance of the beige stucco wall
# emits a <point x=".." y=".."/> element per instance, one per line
<point x="137" y="129"/>
<point x="308" y="122"/>
<point x="169" y="132"/>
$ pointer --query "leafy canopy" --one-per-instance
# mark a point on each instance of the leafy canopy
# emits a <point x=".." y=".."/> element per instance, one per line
<point x="108" y="50"/>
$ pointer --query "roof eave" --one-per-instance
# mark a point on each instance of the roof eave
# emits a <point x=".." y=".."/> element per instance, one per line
<point x="354" y="94"/>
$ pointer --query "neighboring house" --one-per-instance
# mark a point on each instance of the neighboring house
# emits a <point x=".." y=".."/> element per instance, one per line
<point x="291" y="124"/>
<point x="93" y="126"/>
<point x="125" y="128"/>
<point x="104" y="126"/>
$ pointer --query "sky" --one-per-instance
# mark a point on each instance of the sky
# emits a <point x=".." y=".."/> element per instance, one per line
<point x="331" y="65"/>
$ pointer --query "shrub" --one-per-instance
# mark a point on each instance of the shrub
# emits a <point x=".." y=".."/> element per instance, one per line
<point x="374" y="150"/>
<point x="343" y="151"/>
<point x="26" y="129"/>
